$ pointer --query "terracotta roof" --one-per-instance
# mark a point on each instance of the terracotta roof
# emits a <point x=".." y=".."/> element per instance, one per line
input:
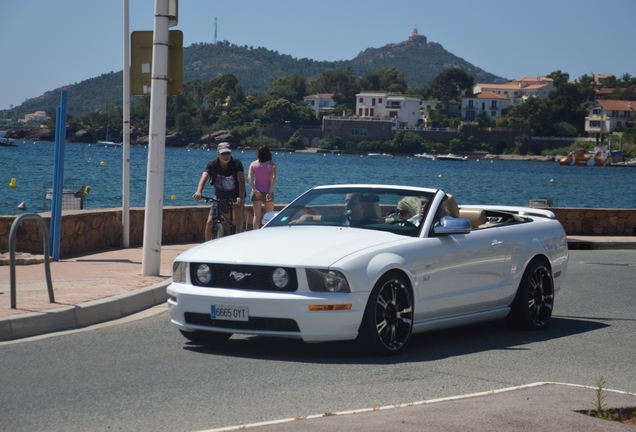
<point x="320" y="95"/>
<point x="535" y="79"/>
<point x="486" y="95"/>
<point x="617" y="105"/>
<point x="511" y="86"/>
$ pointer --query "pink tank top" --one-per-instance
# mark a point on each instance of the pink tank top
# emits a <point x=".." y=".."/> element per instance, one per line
<point x="262" y="176"/>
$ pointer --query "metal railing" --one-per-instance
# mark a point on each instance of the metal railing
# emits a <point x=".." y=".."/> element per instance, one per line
<point x="47" y="268"/>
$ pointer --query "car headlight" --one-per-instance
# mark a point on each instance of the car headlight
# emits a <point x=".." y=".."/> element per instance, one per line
<point x="280" y="278"/>
<point x="179" y="271"/>
<point x="327" y="281"/>
<point x="203" y="274"/>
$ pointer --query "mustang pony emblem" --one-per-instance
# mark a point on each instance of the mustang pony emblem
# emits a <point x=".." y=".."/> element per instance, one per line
<point x="238" y="276"/>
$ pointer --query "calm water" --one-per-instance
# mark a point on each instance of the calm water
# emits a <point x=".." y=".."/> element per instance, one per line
<point x="472" y="182"/>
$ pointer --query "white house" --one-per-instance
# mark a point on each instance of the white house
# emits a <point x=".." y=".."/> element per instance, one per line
<point x="520" y="89"/>
<point x="320" y="101"/>
<point x="486" y="102"/>
<point x="36" y="116"/>
<point x="404" y="109"/>
<point x="606" y="115"/>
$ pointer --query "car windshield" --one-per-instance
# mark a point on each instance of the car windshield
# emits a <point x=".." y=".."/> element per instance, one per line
<point x="385" y="209"/>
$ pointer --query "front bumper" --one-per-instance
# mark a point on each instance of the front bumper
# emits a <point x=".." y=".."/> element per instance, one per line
<point x="270" y="314"/>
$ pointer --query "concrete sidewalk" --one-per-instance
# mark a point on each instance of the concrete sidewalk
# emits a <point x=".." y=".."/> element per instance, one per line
<point x="88" y="290"/>
<point x="108" y="285"/>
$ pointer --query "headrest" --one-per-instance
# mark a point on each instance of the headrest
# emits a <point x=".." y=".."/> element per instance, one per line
<point x="451" y="206"/>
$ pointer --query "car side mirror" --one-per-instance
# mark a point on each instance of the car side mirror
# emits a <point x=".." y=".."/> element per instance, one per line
<point x="268" y="217"/>
<point x="451" y="225"/>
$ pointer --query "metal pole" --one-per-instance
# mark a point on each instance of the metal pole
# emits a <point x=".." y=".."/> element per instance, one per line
<point x="153" y="218"/>
<point x="125" y="181"/>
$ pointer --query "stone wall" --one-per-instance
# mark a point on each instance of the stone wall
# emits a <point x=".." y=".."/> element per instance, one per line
<point x="597" y="222"/>
<point x="85" y="231"/>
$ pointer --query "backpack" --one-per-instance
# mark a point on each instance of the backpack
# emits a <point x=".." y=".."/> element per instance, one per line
<point x="216" y="166"/>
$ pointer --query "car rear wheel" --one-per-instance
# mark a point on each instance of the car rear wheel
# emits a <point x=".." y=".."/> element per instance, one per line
<point x="532" y="307"/>
<point x="388" y="318"/>
<point x="205" y="337"/>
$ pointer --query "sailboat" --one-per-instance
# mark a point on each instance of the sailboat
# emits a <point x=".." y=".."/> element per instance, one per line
<point x="109" y="141"/>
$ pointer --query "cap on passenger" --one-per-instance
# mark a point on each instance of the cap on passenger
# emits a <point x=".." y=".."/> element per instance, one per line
<point x="223" y="148"/>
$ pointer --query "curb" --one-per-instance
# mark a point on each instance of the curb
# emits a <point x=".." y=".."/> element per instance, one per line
<point x="84" y="314"/>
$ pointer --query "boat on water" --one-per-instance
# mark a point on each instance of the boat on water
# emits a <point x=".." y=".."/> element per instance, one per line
<point x="380" y="155"/>
<point x="425" y="156"/>
<point x="108" y="144"/>
<point x="601" y="156"/>
<point x="452" y="157"/>
<point x="7" y="142"/>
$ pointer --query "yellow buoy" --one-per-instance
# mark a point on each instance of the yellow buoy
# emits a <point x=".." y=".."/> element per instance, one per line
<point x="87" y="190"/>
<point x="173" y="197"/>
<point x="13" y="183"/>
<point x="102" y="163"/>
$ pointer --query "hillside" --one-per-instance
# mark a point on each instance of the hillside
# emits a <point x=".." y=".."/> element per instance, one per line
<point x="257" y="68"/>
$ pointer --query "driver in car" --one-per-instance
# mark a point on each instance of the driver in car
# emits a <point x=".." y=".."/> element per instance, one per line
<point x="357" y="210"/>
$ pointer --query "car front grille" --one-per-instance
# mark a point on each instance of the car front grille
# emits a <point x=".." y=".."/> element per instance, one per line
<point x="247" y="277"/>
<point x="254" y="323"/>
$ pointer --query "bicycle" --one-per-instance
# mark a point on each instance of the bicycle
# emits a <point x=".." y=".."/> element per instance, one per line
<point x="219" y="218"/>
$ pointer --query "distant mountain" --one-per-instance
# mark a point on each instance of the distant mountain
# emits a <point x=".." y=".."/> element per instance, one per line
<point x="257" y="68"/>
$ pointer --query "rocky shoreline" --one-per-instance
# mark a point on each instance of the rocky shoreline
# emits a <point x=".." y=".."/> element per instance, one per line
<point x="139" y="137"/>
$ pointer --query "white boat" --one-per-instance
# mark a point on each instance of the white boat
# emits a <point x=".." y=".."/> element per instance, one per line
<point x="425" y="156"/>
<point x="380" y="155"/>
<point x="452" y="157"/>
<point x="108" y="144"/>
<point x="7" y="142"/>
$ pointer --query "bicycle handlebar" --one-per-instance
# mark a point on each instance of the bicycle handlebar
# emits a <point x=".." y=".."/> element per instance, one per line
<point x="230" y="201"/>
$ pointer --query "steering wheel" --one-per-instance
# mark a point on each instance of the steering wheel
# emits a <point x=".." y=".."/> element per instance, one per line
<point x="404" y="223"/>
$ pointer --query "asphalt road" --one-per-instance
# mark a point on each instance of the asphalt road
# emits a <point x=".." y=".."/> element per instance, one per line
<point x="142" y="375"/>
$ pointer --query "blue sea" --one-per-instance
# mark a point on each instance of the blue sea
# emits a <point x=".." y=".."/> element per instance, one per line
<point x="476" y="181"/>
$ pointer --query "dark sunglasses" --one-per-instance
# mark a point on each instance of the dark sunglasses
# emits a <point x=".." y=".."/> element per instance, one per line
<point x="402" y="212"/>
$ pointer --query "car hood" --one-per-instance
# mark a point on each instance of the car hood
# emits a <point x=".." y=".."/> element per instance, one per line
<point x="312" y="246"/>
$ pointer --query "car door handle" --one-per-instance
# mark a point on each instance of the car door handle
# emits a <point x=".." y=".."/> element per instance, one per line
<point x="496" y="242"/>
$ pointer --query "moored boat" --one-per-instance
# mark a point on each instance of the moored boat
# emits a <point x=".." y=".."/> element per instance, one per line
<point x="380" y="155"/>
<point x="601" y="156"/>
<point x="452" y="157"/>
<point x="108" y="144"/>
<point x="425" y="156"/>
<point x="7" y="142"/>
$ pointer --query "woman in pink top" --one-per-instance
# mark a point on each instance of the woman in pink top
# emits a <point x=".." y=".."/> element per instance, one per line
<point x="262" y="178"/>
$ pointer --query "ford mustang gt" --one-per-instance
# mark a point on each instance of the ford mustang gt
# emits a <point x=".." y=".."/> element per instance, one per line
<point x="375" y="264"/>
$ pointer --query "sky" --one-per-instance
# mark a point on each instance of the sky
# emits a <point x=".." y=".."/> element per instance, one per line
<point x="47" y="44"/>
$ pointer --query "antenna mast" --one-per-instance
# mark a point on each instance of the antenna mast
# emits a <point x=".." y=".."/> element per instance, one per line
<point x="214" y="30"/>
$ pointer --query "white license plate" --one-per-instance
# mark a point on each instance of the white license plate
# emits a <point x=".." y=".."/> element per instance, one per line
<point x="227" y="312"/>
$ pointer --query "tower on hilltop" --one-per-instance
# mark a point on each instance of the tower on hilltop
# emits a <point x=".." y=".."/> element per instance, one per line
<point x="416" y="37"/>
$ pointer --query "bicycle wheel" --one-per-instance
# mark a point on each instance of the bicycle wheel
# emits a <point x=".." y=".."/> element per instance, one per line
<point x="218" y="231"/>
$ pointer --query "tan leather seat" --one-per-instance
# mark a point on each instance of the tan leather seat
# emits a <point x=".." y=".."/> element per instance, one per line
<point x="476" y="216"/>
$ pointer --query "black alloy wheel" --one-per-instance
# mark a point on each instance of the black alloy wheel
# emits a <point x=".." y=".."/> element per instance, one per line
<point x="532" y="307"/>
<point x="388" y="318"/>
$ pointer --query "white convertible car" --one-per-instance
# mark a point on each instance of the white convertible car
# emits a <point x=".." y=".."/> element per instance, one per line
<point x="373" y="263"/>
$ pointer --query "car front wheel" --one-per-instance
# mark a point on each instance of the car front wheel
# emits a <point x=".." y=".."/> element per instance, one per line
<point x="532" y="307"/>
<point x="388" y="318"/>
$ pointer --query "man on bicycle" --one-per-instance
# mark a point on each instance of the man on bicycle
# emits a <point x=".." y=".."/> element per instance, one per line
<point x="227" y="176"/>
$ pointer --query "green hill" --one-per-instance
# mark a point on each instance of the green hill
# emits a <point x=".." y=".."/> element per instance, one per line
<point x="257" y="68"/>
